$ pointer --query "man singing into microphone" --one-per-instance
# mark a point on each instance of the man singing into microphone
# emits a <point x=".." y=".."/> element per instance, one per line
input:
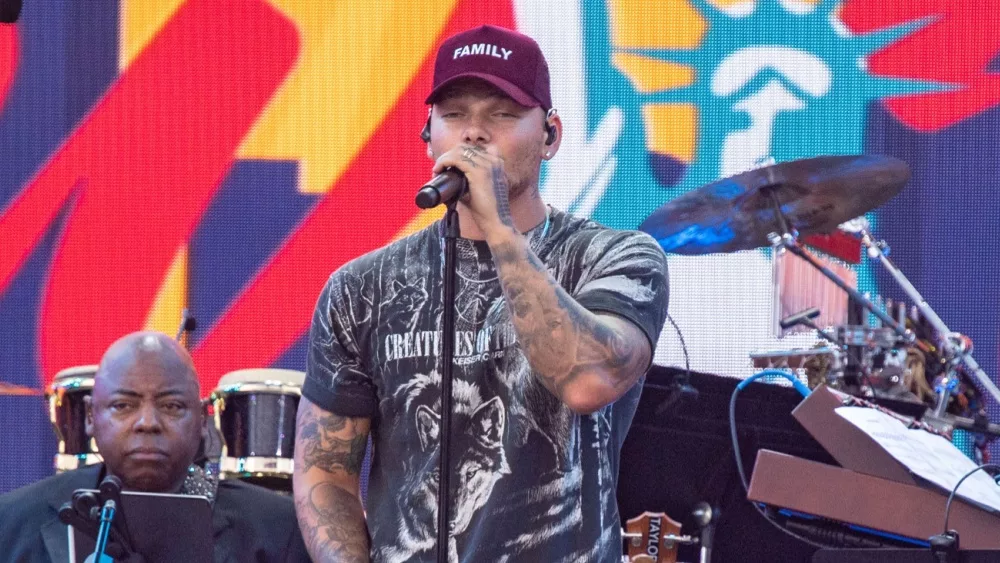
<point x="556" y="320"/>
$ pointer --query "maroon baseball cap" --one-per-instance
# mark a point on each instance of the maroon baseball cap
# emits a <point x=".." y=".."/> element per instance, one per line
<point x="509" y="60"/>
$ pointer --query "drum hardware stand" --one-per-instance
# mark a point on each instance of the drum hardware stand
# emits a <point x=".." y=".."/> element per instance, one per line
<point x="947" y="422"/>
<point x="449" y="268"/>
<point x="806" y="318"/>
<point x="945" y="387"/>
<point x="838" y="356"/>
<point x="878" y="249"/>
<point x="787" y="240"/>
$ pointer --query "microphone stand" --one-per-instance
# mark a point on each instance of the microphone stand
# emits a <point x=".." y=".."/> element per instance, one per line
<point x="107" y="515"/>
<point x="451" y="234"/>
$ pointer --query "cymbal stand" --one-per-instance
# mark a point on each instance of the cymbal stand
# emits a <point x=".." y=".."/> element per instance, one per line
<point x="787" y="240"/>
<point x="877" y="250"/>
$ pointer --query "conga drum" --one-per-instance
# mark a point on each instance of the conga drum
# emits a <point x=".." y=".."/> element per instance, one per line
<point x="68" y="415"/>
<point x="254" y="411"/>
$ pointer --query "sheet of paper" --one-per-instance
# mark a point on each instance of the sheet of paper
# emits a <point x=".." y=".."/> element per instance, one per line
<point x="926" y="455"/>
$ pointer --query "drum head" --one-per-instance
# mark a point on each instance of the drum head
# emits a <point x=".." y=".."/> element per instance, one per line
<point x="261" y="375"/>
<point x="76" y="377"/>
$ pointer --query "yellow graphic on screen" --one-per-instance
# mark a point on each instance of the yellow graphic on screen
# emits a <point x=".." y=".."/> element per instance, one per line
<point x="356" y="59"/>
<point x="139" y="22"/>
<point x="661" y="24"/>
<point x="664" y="24"/>
<point x="171" y="299"/>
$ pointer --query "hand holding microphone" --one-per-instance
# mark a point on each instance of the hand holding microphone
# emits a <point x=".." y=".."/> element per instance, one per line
<point x="457" y="169"/>
<point x="485" y="190"/>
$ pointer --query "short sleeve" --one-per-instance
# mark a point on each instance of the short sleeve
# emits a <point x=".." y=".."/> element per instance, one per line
<point x="336" y="377"/>
<point x="627" y="277"/>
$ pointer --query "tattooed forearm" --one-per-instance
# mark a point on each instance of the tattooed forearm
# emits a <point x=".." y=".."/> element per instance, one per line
<point x="328" y="454"/>
<point x="501" y="191"/>
<point x="347" y="454"/>
<point x="330" y="442"/>
<point x="333" y="525"/>
<point x="565" y="343"/>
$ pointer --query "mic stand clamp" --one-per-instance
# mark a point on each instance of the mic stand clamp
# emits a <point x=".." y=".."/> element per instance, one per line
<point x="944" y="546"/>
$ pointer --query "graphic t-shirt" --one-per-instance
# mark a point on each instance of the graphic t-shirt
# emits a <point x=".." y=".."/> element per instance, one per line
<point x="530" y="480"/>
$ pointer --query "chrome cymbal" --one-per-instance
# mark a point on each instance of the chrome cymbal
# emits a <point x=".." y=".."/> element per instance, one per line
<point x="738" y="212"/>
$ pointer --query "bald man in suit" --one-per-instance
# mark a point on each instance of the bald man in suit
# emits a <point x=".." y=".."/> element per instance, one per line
<point x="145" y="415"/>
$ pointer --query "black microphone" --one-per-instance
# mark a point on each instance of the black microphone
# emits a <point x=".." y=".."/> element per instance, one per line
<point x="111" y="493"/>
<point x="10" y="10"/>
<point x="86" y="504"/>
<point x="443" y="188"/>
<point x="72" y="517"/>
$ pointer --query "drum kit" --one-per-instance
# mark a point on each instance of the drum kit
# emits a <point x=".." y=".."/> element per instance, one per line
<point x="774" y="206"/>
<point x="905" y="358"/>
<point x="251" y="435"/>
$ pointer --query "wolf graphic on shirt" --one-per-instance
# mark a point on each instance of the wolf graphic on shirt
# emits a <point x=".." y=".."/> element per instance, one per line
<point x="403" y="306"/>
<point x="532" y="407"/>
<point x="478" y="462"/>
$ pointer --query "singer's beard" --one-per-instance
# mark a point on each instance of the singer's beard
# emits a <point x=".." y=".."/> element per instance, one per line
<point x="526" y="185"/>
<point x="522" y="188"/>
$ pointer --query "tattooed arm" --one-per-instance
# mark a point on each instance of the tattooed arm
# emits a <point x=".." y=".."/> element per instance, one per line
<point x="329" y="450"/>
<point x="588" y="360"/>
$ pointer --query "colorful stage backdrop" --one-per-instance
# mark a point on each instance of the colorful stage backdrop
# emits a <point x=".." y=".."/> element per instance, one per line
<point x="226" y="156"/>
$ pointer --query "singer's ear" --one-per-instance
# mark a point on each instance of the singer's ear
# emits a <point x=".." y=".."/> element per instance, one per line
<point x="552" y="134"/>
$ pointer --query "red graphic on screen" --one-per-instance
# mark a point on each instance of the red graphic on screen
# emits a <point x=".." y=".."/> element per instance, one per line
<point x="139" y="172"/>
<point x="8" y="58"/>
<point x="137" y="175"/>
<point x="956" y="48"/>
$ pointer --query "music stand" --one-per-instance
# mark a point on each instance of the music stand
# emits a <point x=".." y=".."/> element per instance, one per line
<point x="165" y="528"/>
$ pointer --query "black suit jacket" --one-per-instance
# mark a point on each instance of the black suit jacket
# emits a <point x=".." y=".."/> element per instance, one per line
<point x="250" y="523"/>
